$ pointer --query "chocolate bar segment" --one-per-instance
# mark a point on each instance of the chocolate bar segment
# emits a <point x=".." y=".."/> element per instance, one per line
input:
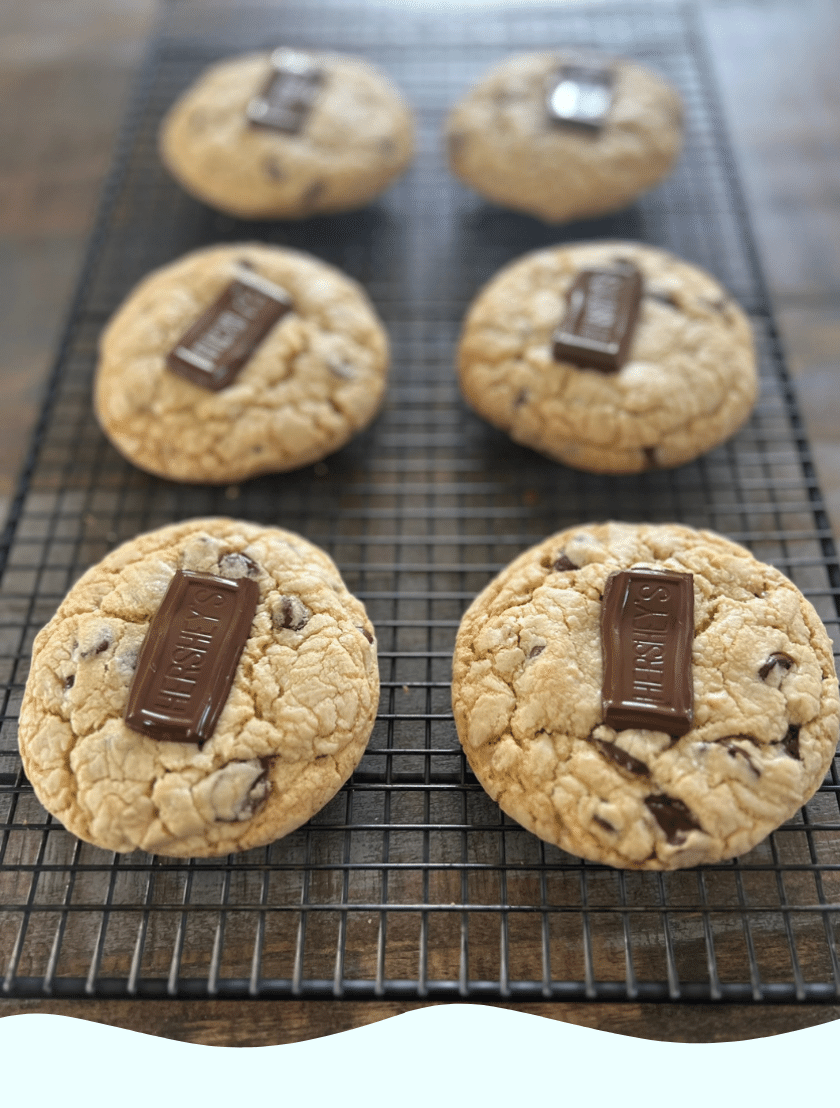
<point x="189" y="656"/>
<point x="647" y="630"/>
<point x="601" y="315"/>
<point x="221" y="341"/>
<point x="288" y="96"/>
<point x="581" y="95"/>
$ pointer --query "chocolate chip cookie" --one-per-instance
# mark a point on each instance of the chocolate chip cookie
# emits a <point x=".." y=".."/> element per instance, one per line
<point x="204" y="689"/>
<point x="239" y="359"/>
<point x="562" y="135"/>
<point x="611" y="357"/>
<point x="288" y="134"/>
<point x="651" y="697"/>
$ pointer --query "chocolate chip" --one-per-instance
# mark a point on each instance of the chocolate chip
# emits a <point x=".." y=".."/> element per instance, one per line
<point x="663" y="297"/>
<point x="290" y="612"/>
<point x="127" y="660"/>
<point x="105" y="640"/>
<point x="314" y="193"/>
<point x="783" y="661"/>
<point x="366" y="634"/>
<point x="791" y="742"/>
<point x="650" y="457"/>
<point x="238" y="565"/>
<point x="718" y="305"/>
<point x="70" y="681"/>
<point x="503" y="96"/>
<point x="562" y="564"/>
<point x="520" y="398"/>
<point x="255" y="798"/>
<point x="341" y="369"/>
<point x="603" y="823"/>
<point x="735" y="751"/>
<point x="273" y="169"/>
<point x="536" y="650"/>
<point x="456" y="142"/>
<point x="622" y="758"/>
<point x="675" y="819"/>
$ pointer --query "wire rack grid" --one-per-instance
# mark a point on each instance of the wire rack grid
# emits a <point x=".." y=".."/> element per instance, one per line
<point x="411" y="883"/>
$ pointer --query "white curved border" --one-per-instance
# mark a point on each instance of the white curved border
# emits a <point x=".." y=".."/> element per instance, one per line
<point x="458" y="1055"/>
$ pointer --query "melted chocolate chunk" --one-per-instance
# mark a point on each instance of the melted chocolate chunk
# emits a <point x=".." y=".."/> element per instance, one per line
<point x="100" y="647"/>
<point x="580" y="95"/>
<point x="791" y="742"/>
<point x="290" y="612"/>
<point x="274" y="170"/>
<point x="718" y="305"/>
<point x="734" y="751"/>
<point x="288" y="95"/>
<point x="457" y="143"/>
<point x="562" y="564"/>
<point x="70" y="681"/>
<point x="314" y="193"/>
<point x="223" y="338"/>
<point x="341" y="369"/>
<point x="622" y="758"/>
<point x="647" y="627"/>
<point x="783" y="661"/>
<point x="674" y="817"/>
<point x="253" y="800"/>
<point x="189" y="657"/>
<point x="663" y="297"/>
<point x="603" y="823"/>
<point x="238" y="565"/>
<point x="601" y="314"/>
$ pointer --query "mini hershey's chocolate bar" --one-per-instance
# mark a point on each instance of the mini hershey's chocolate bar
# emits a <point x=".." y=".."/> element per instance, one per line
<point x="289" y="94"/>
<point x="580" y="94"/>
<point x="189" y="656"/>
<point x="601" y="315"/>
<point x="647" y="631"/>
<point x="222" y="339"/>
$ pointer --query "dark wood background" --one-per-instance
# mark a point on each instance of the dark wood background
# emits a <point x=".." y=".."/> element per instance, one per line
<point x="65" y="75"/>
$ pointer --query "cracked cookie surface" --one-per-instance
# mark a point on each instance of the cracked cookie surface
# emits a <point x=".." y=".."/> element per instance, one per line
<point x="292" y="730"/>
<point x="358" y="138"/>
<point x="502" y="143"/>
<point x="689" y="382"/>
<point x="526" y="693"/>
<point x="314" y="381"/>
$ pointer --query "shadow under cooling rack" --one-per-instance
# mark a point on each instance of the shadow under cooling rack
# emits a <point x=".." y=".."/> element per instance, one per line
<point x="411" y="883"/>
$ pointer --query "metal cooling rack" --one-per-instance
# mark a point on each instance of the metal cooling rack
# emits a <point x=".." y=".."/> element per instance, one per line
<point x="410" y="883"/>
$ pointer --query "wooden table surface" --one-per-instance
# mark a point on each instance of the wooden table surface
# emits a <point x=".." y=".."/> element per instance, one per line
<point x="65" y="75"/>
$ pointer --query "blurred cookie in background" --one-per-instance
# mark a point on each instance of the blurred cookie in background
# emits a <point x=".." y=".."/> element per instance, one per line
<point x="239" y="359"/>
<point x="612" y="357"/>
<point x="564" y="134"/>
<point x="288" y="134"/>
